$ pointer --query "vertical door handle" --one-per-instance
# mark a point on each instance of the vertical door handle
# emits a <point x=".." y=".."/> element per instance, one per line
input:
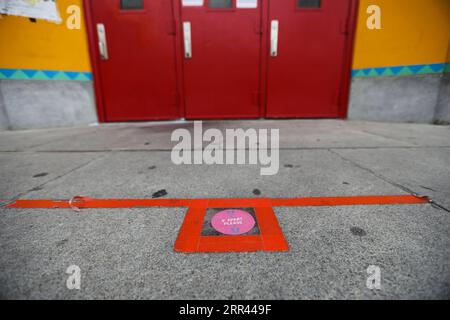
<point x="102" y="45"/>
<point x="187" y="40"/>
<point x="274" y="38"/>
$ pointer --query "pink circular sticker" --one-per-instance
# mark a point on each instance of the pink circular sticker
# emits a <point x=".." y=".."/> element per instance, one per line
<point x="233" y="222"/>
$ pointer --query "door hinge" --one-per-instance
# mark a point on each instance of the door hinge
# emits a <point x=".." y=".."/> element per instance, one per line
<point x="337" y="99"/>
<point x="176" y="98"/>
<point x="344" y="27"/>
<point x="172" y="27"/>
<point x="258" y="27"/>
<point x="257" y="97"/>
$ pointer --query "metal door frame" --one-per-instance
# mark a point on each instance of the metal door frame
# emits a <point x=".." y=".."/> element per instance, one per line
<point x="265" y="44"/>
<point x="94" y="56"/>
<point x="177" y="5"/>
<point x="347" y="62"/>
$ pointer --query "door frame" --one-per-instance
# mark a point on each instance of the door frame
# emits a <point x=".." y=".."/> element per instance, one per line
<point x="344" y="90"/>
<point x="260" y="94"/>
<point x="94" y="57"/>
<point x="344" y="97"/>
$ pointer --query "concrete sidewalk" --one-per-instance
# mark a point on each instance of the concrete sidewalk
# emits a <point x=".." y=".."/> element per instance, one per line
<point x="128" y="253"/>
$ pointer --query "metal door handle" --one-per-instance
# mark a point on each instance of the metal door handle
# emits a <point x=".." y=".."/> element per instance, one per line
<point x="187" y="40"/>
<point x="102" y="45"/>
<point x="274" y="38"/>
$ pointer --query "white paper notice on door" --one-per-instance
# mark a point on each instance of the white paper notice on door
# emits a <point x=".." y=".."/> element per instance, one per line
<point x="247" y="4"/>
<point x="192" y="3"/>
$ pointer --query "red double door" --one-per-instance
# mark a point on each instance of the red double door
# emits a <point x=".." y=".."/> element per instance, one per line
<point x="220" y="59"/>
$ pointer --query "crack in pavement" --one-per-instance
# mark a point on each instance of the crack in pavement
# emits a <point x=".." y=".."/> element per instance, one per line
<point x="247" y="149"/>
<point x="438" y="206"/>
<point x="4" y="202"/>
<point x="390" y="181"/>
<point x="104" y="154"/>
<point x="385" y="137"/>
<point x="54" y="140"/>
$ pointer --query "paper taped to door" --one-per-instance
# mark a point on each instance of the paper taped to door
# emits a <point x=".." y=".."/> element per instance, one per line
<point x="247" y="4"/>
<point x="192" y="3"/>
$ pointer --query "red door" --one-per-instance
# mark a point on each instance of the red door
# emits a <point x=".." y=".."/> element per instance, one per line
<point x="222" y="49"/>
<point x="307" y="57"/>
<point x="135" y="58"/>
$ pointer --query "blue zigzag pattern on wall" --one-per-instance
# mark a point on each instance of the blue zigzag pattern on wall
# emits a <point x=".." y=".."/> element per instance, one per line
<point x="31" y="74"/>
<point x="403" y="70"/>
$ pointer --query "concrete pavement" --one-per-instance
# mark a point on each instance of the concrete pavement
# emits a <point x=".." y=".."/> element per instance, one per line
<point x="127" y="253"/>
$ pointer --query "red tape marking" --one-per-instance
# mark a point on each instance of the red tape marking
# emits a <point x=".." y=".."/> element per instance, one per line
<point x="190" y="240"/>
<point x="85" y="202"/>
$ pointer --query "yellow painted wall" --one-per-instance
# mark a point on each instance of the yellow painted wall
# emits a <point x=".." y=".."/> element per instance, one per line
<point x="413" y="32"/>
<point x="43" y="45"/>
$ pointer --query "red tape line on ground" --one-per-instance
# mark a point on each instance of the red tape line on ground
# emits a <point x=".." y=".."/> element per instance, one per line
<point x="85" y="202"/>
<point x="190" y="240"/>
